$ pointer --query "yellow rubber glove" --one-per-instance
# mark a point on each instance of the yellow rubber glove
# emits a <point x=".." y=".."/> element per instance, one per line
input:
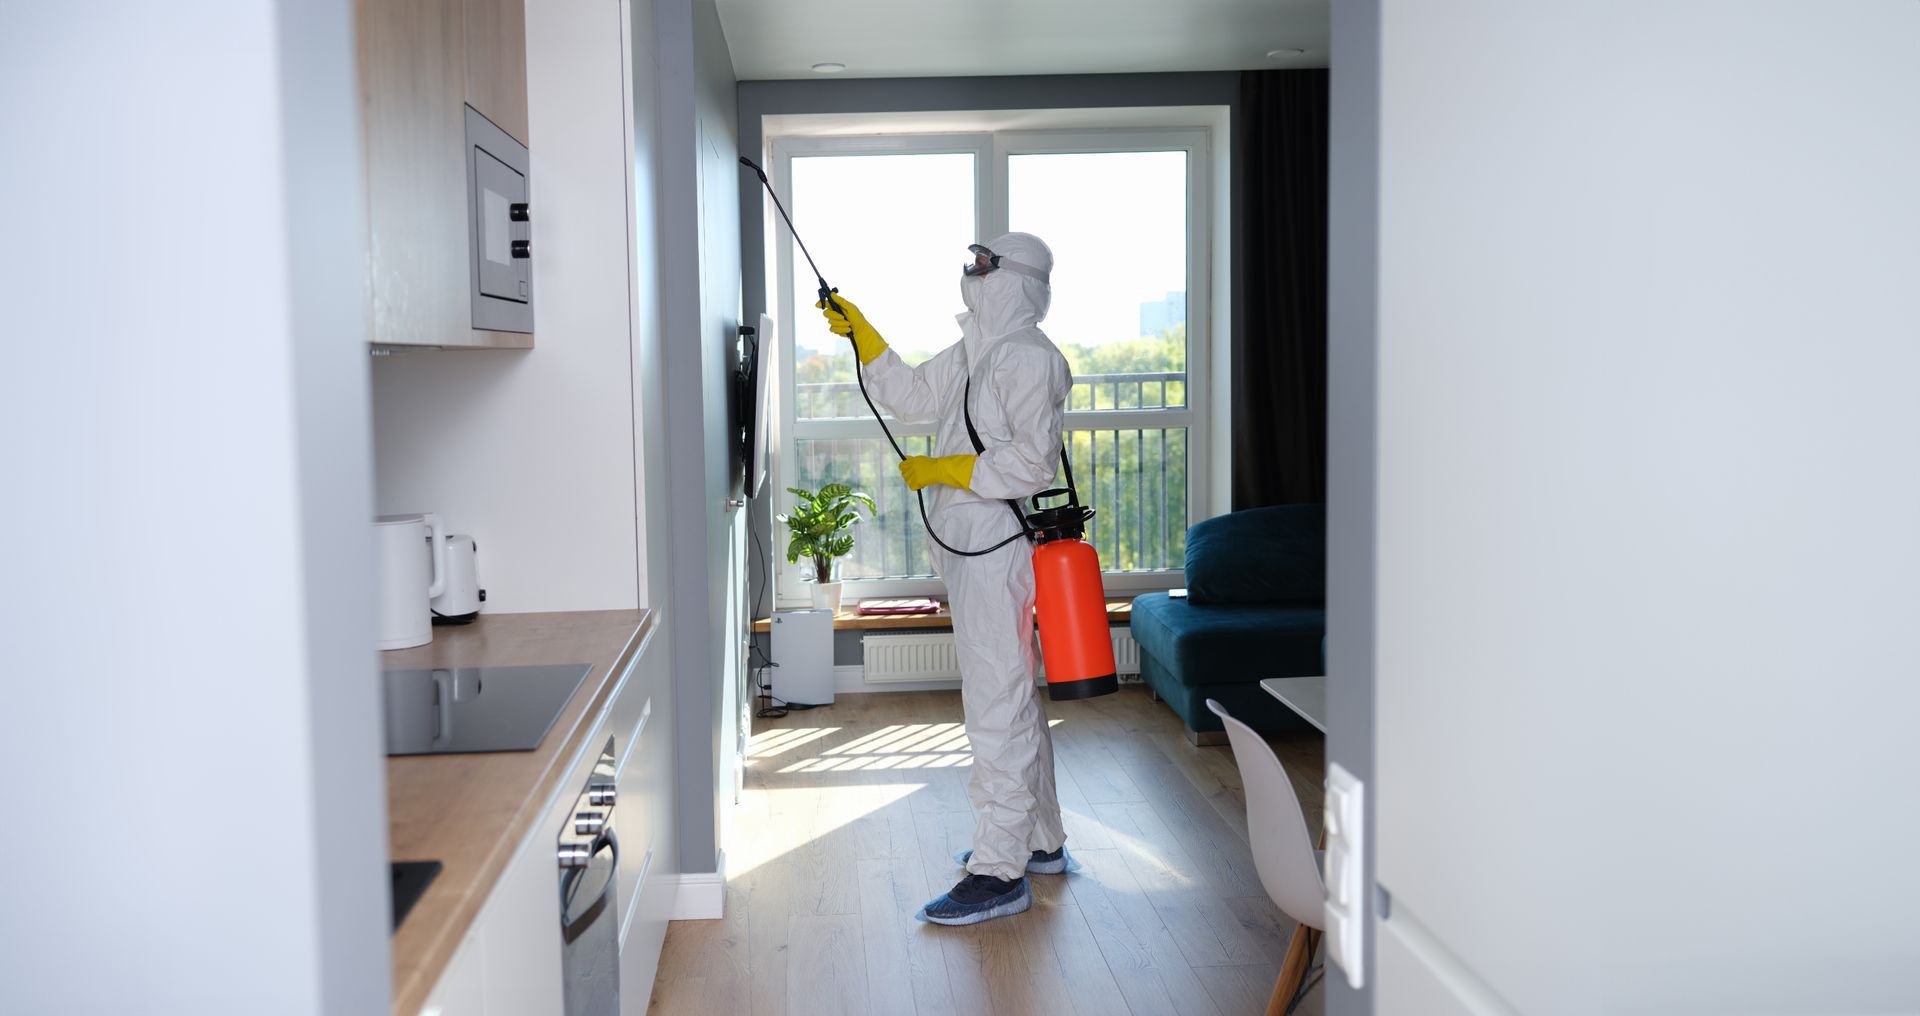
<point x="867" y="343"/>
<point x="926" y="470"/>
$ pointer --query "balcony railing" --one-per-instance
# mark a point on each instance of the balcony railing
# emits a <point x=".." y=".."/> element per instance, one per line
<point x="840" y="400"/>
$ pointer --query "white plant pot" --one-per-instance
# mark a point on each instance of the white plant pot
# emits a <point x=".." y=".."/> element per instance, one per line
<point x="826" y="596"/>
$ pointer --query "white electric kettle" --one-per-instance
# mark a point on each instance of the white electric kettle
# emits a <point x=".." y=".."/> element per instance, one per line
<point x="412" y="563"/>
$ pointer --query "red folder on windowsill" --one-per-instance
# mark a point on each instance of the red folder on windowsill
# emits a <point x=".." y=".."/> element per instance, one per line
<point x="910" y="605"/>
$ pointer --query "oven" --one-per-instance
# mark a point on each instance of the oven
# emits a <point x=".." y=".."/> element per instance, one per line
<point x="589" y="860"/>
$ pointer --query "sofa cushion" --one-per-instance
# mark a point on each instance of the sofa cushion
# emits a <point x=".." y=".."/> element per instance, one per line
<point x="1260" y="555"/>
<point x="1228" y="644"/>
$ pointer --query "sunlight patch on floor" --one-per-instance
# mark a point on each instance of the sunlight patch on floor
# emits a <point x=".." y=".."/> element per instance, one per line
<point x="898" y="746"/>
<point x="819" y="810"/>
<point x="775" y="742"/>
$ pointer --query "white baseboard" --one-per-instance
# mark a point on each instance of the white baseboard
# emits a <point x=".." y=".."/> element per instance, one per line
<point x="701" y="895"/>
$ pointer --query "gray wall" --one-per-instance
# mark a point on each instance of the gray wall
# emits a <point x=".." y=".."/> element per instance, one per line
<point x="191" y="734"/>
<point x="697" y="213"/>
<point x="915" y="95"/>
<point x="1352" y="256"/>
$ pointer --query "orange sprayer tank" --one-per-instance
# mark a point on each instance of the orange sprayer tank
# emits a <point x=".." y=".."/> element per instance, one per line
<point x="1068" y="596"/>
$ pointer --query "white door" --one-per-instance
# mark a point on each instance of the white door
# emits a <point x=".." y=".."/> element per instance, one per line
<point x="1647" y="585"/>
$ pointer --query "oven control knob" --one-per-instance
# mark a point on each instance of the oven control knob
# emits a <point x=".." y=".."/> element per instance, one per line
<point x="521" y="248"/>
<point x="519" y="212"/>
<point x="589" y="823"/>
<point x="600" y="794"/>
<point x="575" y="854"/>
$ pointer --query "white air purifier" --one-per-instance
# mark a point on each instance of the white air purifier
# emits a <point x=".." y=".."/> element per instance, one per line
<point x="801" y="642"/>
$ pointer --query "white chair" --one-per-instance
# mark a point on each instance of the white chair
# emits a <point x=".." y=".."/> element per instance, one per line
<point x="1283" y="853"/>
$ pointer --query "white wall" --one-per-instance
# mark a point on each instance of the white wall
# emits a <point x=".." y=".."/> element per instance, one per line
<point x="1649" y="339"/>
<point x="190" y="735"/>
<point x="532" y="452"/>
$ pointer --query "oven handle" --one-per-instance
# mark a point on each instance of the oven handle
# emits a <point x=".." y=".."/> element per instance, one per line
<point x="570" y="885"/>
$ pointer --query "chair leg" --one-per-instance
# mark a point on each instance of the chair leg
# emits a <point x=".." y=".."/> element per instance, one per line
<point x="1293" y="971"/>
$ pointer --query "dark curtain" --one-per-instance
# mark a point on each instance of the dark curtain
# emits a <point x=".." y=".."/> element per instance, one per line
<point x="1280" y="326"/>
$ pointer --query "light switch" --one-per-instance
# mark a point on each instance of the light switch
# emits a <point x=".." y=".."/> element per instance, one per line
<point x="1338" y="888"/>
<point x="1336" y="938"/>
<point x="1345" y="819"/>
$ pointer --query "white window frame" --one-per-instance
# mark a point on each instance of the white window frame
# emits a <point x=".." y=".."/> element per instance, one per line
<point x="991" y="151"/>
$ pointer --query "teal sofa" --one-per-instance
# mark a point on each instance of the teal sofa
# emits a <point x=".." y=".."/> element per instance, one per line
<point x="1256" y="607"/>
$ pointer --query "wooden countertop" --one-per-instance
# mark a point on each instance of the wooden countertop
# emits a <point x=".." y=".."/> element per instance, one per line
<point x="1119" y="611"/>
<point x="470" y="812"/>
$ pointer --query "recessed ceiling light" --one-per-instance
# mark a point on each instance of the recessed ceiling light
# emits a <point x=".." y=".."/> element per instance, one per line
<point x="1272" y="54"/>
<point x="829" y="68"/>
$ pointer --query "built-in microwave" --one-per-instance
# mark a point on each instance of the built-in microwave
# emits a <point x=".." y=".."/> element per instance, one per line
<point x="499" y="228"/>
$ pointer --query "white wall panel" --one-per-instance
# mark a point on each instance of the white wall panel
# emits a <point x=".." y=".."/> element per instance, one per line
<point x="1647" y="358"/>
<point x="190" y="729"/>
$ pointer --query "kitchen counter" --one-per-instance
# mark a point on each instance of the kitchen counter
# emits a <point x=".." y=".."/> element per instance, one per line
<point x="471" y="812"/>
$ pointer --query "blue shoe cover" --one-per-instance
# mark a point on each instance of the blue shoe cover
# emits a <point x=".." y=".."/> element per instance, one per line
<point x="946" y="910"/>
<point x="1038" y="864"/>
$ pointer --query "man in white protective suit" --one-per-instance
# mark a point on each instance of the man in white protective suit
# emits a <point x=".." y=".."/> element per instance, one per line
<point x="1014" y="386"/>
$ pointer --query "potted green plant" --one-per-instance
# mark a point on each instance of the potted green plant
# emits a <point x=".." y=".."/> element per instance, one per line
<point x="820" y="525"/>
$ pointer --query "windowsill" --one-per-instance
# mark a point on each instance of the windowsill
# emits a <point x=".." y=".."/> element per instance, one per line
<point x="1119" y="611"/>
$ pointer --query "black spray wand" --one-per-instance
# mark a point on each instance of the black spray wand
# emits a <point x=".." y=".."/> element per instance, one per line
<point x="826" y="291"/>
<point x="826" y="296"/>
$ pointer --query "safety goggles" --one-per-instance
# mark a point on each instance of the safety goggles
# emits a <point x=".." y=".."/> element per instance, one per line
<point x="985" y="260"/>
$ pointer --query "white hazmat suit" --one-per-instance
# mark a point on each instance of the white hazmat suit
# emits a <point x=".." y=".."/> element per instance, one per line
<point x="1019" y="384"/>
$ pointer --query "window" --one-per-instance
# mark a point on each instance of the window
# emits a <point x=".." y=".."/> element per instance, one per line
<point x="889" y="218"/>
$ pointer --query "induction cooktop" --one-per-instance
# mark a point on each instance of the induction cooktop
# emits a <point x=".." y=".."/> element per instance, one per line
<point x="410" y="880"/>
<point x="472" y="709"/>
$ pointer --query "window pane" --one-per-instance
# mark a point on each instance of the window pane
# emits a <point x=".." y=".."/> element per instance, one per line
<point x="1117" y="223"/>
<point x="1136" y="480"/>
<point x="892" y="231"/>
<point x="893" y="544"/>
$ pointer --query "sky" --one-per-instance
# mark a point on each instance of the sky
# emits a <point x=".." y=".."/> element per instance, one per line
<point x="891" y="232"/>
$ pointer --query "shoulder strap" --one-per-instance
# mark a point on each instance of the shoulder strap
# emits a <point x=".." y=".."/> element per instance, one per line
<point x="966" y="413"/>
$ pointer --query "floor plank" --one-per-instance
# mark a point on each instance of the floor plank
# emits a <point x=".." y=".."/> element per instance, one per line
<point x="848" y="822"/>
<point x="826" y="967"/>
<point x="890" y="987"/>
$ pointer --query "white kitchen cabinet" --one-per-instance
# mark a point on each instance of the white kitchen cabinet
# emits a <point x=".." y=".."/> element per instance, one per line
<point x="511" y="963"/>
<point x="423" y="64"/>
<point x="462" y="989"/>
<point x="522" y="927"/>
<point x="648" y="877"/>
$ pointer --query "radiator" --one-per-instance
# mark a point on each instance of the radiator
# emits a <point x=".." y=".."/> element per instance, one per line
<point x="929" y="656"/>
<point x="898" y="659"/>
<point x="1126" y="653"/>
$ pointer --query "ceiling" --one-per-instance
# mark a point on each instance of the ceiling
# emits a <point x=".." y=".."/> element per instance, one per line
<point x="777" y="39"/>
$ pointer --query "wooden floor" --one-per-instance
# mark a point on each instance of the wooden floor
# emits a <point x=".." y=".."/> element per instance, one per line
<point x="849" y="822"/>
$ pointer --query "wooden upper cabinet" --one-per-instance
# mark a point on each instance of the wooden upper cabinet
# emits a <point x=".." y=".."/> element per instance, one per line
<point x="421" y="63"/>
<point x="497" y="63"/>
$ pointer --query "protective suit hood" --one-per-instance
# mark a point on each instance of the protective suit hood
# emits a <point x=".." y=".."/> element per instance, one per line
<point x="1003" y="302"/>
